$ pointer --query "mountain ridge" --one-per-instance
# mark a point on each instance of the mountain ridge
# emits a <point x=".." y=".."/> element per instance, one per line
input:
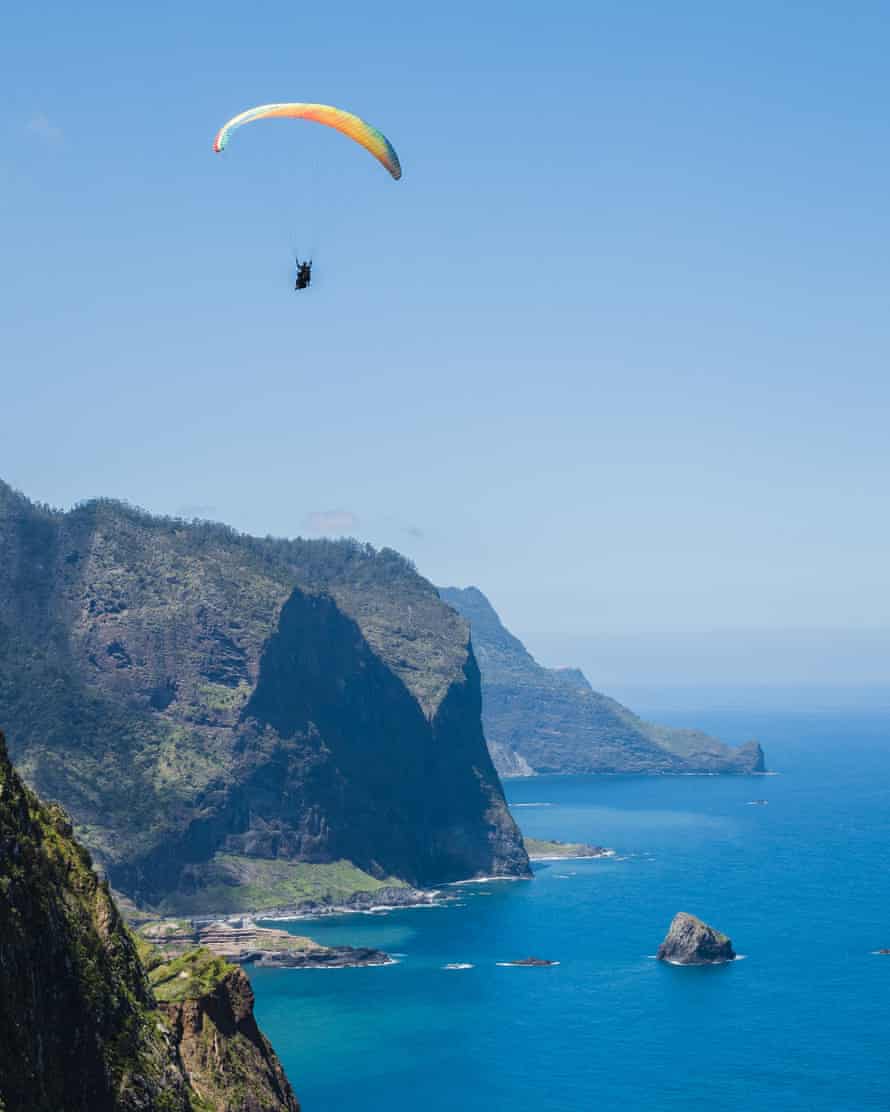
<point x="551" y="720"/>
<point x="201" y="700"/>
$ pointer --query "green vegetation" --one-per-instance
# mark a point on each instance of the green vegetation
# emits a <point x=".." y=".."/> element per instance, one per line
<point x="187" y="977"/>
<point x="184" y="689"/>
<point x="233" y="883"/>
<point x="537" y="848"/>
<point x="161" y="929"/>
<point x="292" y="943"/>
<point x="91" y="1017"/>
<point x="67" y="953"/>
<point x="219" y="697"/>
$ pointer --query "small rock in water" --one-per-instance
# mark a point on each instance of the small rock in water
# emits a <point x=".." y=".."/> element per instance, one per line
<point x="692" y="942"/>
<point x="532" y="961"/>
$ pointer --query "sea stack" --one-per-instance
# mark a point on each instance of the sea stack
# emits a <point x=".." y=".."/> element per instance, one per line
<point x="692" y="942"/>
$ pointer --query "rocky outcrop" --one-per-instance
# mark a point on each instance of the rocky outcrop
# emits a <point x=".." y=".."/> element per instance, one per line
<point x="550" y="720"/>
<point x="80" y="1025"/>
<point x="323" y="957"/>
<point x="534" y="963"/>
<point x="243" y="942"/>
<point x="541" y="850"/>
<point x="381" y="898"/>
<point x="385" y="897"/>
<point x="230" y="1066"/>
<point x="507" y="761"/>
<point x="692" y="942"/>
<point x="210" y="706"/>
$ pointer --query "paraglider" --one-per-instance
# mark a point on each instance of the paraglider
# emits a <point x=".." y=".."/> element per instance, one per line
<point x="304" y="275"/>
<point x="346" y="123"/>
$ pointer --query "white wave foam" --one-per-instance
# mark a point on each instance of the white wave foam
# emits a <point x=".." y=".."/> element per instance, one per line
<point x="486" y="879"/>
<point x="348" y="965"/>
<point x="377" y="909"/>
<point x="699" y="964"/>
<point x="571" y="856"/>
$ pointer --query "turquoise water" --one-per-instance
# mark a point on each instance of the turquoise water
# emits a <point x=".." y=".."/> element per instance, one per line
<point x="802" y="886"/>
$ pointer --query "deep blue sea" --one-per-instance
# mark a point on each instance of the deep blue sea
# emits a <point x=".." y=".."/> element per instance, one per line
<point x="802" y="886"/>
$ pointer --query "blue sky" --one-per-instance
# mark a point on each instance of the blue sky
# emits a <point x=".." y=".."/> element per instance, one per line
<point x="615" y="349"/>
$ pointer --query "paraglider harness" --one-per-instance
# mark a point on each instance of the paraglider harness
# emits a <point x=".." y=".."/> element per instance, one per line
<point x="304" y="275"/>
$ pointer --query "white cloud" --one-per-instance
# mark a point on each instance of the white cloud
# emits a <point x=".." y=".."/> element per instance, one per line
<point x="39" y="124"/>
<point x="330" y="523"/>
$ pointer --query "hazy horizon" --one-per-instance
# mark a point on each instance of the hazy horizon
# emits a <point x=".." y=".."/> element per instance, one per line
<point x="819" y="669"/>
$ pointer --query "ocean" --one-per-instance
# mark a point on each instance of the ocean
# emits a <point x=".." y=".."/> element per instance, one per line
<point x="801" y="885"/>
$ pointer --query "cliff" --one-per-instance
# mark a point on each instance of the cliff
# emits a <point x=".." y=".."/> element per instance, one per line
<point x="81" y="1029"/>
<point x="229" y="1063"/>
<point x="237" y="723"/>
<point x="553" y="721"/>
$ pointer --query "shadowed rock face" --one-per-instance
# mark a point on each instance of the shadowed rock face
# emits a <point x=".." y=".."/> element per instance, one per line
<point x="74" y="1003"/>
<point x="80" y="1026"/>
<point x="692" y="942"/>
<point x="414" y="790"/>
<point x="192" y="695"/>
<point x="550" y="720"/>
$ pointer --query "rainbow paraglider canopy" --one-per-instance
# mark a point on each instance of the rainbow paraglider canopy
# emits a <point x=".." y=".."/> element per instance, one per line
<point x="352" y="126"/>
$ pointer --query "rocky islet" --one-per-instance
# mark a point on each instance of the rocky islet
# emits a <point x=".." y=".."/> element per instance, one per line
<point x="690" y="941"/>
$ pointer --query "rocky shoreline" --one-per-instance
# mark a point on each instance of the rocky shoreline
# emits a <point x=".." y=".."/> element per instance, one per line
<point x="374" y="902"/>
<point x="330" y="957"/>
<point x="242" y="942"/>
<point x="539" y="850"/>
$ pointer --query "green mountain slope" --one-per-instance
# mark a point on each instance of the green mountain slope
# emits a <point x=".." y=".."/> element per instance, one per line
<point x="201" y="701"/>
<point x="81" y="1027"/>
<point x="553" y="721"/>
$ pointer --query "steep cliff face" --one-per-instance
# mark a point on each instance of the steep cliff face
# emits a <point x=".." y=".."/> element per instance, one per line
<point x="553" y="721"/>
<point x="229" y="1063"/>
<point x="213" y="708"/>
<point x="80" y="1029"/>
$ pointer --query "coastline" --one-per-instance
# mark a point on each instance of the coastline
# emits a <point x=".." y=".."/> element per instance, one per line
<point x="553" y="849"/>
<point x="359" y="903"/>
<point x="243" y="942"/>
<point x="379" y="902"/>
<point x="571" y="856"/>
<point x="633" y="772"/>
<point x="261" y="961"/>
<point x="486" y="879"/>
